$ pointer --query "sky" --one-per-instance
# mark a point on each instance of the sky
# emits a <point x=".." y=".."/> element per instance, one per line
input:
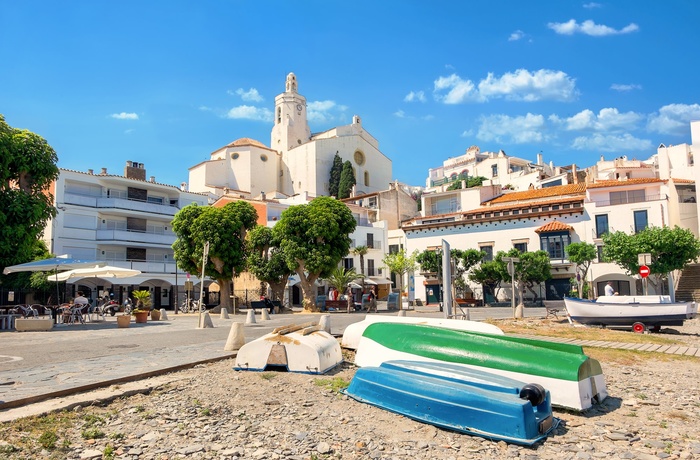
<point x="166" y="83"/>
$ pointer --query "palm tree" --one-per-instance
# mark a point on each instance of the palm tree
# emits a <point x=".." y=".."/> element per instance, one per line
<point x="361" y="251"/>
<point x="341" y="277"/>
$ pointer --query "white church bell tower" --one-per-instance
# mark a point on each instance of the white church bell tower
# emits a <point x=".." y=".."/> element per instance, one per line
<point x="291" y="128"/>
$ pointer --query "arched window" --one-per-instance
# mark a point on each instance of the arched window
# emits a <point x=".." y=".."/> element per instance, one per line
<point x="366" y="178"/>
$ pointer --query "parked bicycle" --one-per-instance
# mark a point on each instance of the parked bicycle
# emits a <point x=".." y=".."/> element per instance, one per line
<point x="190" y="305"/>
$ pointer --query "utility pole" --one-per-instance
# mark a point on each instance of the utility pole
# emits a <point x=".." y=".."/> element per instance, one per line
<point x="517" y="313"/>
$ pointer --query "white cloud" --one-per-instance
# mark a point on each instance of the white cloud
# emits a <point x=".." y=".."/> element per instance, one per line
<point x="624" y="88"/>
<point x="611" y="143"/>
<point x="523" y="85"/>
<point x="607" y="120"/>
<point x="324" y="111"/>
<point x="204" y="108"/>
<point x="246" y="112"/>
<point x="673" y="118"/>
<point x="589" y="27"/>
<point x="512" y="130"/>
<point x="591" y="5"/>
<point x="517" y="35"/>
<point x="458" y="90"/>
<point x="400" y="114"/>
<point x="125" y="116"/>
<point x="251" y="95"/>
<point x="415" y="96"/>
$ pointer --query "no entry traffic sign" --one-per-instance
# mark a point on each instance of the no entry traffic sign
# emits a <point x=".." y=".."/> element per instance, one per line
<point x="644" y="271"/>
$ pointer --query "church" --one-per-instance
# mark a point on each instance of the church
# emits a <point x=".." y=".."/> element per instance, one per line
<point x="297" y="161"/>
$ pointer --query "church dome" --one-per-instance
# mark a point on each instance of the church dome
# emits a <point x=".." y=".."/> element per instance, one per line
<point x="243" y="141"/>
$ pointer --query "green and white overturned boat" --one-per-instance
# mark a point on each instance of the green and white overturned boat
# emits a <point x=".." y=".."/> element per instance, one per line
<point x="574" y="380"/>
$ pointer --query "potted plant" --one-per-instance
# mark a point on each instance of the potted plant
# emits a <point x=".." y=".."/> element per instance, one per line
<point x="123" y="320"/>
<point x="143" y="305"/>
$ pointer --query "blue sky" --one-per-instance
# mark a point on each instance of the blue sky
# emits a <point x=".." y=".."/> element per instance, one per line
<point x="166" y="83"/>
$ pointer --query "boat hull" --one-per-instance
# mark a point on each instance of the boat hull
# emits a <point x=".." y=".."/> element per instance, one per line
<point x="456" y="398"/>
<point x="307" y="351"/>
<point x="625" y="311"/>
<point x="353" y="333"/>
<point x="574" y="380"/>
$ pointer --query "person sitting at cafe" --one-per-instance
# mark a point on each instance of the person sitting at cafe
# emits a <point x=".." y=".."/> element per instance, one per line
<point x="81" y="299"/>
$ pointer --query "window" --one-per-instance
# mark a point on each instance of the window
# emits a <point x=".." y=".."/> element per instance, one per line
<point x="359" y="158"/>
<point x="366" y="178"/>
<point x="522" y="247"/>
<point x="348" y="263"/>
<point x="394" y="248"/>
<point x="601" y="225"/>
<point x="494" y="170"/>
<point x="600" y="253"/>
<point x="279" y="115"/>
<point x="488" y="253"/>
<point x="555" y="244"/>
<point x="640" y="221"/>
<point x="370" y="241"/>
<point x="627" y="196"/>
<point x="370" y="267"/>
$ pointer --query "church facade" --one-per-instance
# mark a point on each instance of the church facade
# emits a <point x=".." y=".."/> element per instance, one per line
<point x="296" y="161"/>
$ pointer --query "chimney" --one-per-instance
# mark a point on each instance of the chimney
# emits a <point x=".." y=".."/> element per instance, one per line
<point x="135" y="170"/>
<point x="90" y="171"/>
<point x="104" y="171"/>
<point x="183" y="186"/>
<point x="539" y="159"/>
<point x="152" y="179"/>
<point x="574" y="173"/>
<point x="262" y="196"/>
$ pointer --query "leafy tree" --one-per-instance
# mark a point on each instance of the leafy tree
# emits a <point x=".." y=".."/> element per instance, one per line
<point x="314" y="239"/>
<point x="266" y="261"/>
<point x="488" y="275"/>
<point x="582" y="254"/>
<point x="532" y="269"/>
<point x="430" y="261"/>
<point x="400" y="263"/>
<point x="27" y="169"/>
<point x="334" y="180"/>
<point x="225" y="229"/>
<point x="465" y="260"/>
<point x="347" y="181"/>
<point x="670" y="249"/>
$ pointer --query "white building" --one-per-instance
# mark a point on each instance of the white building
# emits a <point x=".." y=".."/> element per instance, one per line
<point x="297" y="161"/>
<point x="124" y="220"/>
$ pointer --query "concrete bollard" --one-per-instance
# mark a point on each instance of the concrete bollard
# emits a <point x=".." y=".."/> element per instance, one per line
<point x="325" y="323"/>
<point x="265" y="316"/>
<point x="205" y="321"/>
<point x="163" y="315"/>
<point x="224" y="313"/>
<point x="250" y="317"/>
<point x="236" y="337"/>
<point x="401" y="313"/>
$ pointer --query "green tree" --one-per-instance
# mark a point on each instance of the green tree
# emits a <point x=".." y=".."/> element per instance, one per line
<point x="430" y="261"/>
<point x="27" y="169"/>
<point x="400" y="263"/>
<point x="471" y="182"/>
<point x="340" y="277"/>
<point x="582" y="254"/>
<point x="225" y="229"/>
<point x="314" y="239"/>
<point x="347" y="181"/>
<point x="362" y="252"/>
<point x="334" y="180"/>
<point x="488" y="275"/>
<point x="465" y="260"/>
<point x="670" y="249"/>
<point x="532" y="269"/>
<point x="266" y="261"/>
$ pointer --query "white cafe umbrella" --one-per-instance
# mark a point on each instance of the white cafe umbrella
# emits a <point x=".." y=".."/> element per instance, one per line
<point x="106" y="271"/>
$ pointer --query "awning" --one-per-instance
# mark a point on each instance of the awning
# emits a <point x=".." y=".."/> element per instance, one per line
<point x="380" y="280"/>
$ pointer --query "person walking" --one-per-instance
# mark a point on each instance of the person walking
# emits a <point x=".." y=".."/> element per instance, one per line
<point x="372" y="301"/>
<point x="349" y="299"/>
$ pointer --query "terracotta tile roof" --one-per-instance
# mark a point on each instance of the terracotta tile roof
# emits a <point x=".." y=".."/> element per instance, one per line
<point x="554" y="226"/>
<point x="620" y="183"/>
<point x="511" y="206"/>
<point x="684" y="181"/>
<point x="559" y="190"/>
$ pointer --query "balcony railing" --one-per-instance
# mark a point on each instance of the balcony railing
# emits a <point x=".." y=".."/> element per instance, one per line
<point x="631" y="199"/>
<point x="120" y="203"/>
<point x="167" y="238"/>
<point x="373" y="244"/>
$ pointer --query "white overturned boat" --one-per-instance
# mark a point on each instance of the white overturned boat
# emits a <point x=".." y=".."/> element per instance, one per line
<point x="639" y="313"/>
<point x="304" y="348"/>
<point x="353" y="333"/>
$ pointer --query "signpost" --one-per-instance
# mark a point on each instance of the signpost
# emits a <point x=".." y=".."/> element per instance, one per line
<point x="644" y="260"/>
<point x="644" y="271"/>
<point x="511" y="271"/>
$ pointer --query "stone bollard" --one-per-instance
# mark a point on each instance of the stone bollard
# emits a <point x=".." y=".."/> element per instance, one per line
<point x="401" y="313"/>
<point x="236" y="337"/>
<point x="224" y="313"/>
<point x="163" y="315"/>
<point x="205" y="321"/>
<point x="325" y="323"/>
<point x="250" y="318"/>
<point x="265" y="316"/>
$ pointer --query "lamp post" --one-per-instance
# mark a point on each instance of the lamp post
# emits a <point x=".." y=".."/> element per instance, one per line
<point x="511" y="271"/>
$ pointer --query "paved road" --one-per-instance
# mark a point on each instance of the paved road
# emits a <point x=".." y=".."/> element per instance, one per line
<point x="36" y="366"/>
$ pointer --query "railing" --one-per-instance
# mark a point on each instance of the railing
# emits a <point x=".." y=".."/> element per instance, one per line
<point x="373" y="244"/>
<point x="446" y="180"/>
<point x="138" y="237"/>
<point x="120" y="203"/>
<point x="632" y="199"/>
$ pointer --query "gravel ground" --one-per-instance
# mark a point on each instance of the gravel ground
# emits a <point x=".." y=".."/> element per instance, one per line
<point x="213" y="412"/>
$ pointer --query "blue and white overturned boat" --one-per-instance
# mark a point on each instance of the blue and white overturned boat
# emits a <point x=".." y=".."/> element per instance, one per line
<point x="457" y="398"/>
<point x="574" y="380"/>
<point x="304" y="348"/>
<point x="353" y="333"/>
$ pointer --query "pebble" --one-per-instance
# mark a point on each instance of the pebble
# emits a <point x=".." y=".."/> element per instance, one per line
<point x="214" y="412"/>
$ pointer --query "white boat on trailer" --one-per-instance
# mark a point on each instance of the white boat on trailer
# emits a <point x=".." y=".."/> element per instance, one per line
<point x="639" y="313"/>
